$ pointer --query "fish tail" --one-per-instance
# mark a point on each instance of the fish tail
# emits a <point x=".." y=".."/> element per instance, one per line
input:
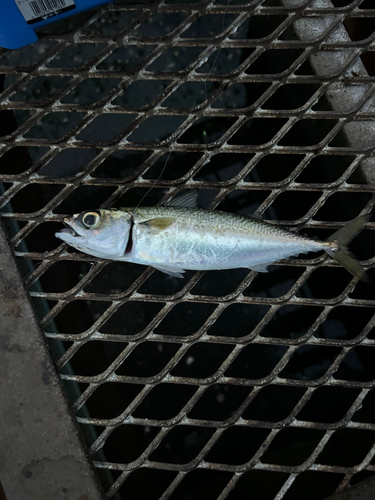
<point x="339" y="249"/>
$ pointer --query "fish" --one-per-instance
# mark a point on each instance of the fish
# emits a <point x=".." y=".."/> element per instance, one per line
<point x="180" y="237"/>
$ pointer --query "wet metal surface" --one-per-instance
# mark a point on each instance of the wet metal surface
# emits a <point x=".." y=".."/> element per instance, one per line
<point x="222" y="383"/>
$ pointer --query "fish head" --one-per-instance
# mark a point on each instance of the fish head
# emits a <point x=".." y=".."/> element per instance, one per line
<point x="102" y="233"/>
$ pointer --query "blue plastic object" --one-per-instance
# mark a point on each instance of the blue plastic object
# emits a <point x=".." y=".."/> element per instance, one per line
<point x="20" y="18"/>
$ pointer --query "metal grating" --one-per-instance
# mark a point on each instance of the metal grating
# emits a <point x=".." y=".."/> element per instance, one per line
<point x="223" y="383"/>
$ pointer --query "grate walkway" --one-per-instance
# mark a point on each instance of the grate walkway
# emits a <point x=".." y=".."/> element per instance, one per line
<point x="222" y="383"/>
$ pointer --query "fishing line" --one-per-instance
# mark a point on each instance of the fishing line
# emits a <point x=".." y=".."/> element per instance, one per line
<point x="157" y="180"/>
<point x="195" y="102"/>
<point x="213" y="64"/>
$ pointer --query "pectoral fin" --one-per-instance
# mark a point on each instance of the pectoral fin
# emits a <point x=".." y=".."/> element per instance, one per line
<point x="172" y="271"/>
<point x="158" y="224"/>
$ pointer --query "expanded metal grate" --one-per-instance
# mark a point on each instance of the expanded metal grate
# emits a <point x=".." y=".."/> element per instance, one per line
<point x="222" y="385"/>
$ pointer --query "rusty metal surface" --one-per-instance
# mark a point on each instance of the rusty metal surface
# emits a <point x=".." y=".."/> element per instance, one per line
<point x="224" y="382"/>
<point x="41" y="453"/>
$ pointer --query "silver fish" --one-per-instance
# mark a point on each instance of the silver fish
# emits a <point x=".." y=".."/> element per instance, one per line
<point x="180" y="236"/>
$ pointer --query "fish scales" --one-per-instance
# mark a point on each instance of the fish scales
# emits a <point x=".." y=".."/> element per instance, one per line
<point x="202" y="239"/>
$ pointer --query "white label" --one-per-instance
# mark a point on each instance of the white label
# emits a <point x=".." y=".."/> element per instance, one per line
<point x="36" y="10"/>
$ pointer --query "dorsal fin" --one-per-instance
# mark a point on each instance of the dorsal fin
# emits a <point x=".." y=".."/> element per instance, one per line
<point x="186" y="200"/>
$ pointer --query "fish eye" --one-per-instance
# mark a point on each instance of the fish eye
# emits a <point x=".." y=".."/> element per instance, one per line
<point x="91" y="219"/>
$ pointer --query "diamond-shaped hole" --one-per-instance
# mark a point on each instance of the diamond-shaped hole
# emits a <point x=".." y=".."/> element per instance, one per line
<point x="172" y="166"/>
<point x="344" y="323"/>
<point x="127" y="58"/>
<point x="127" y="443"/>
<point x="190" y="94"/>
<point x="325" y="283"/>
<point x="94" y="357"/>
<point x="219" y="402"/>
<point x="314" y="484"/>
<point x="26" y="56"/>
<point x="111" y="399"/>
<point x="219" y="283"/>
<point x="256" y="361"/>
<point x="34" y="197"/>
<point x="42" y="238"/>
<point x="310" y="362"/>
<point x="131" y="318"/>
<point x="347" y="448"/>
<point x="291" y="205"/>
<point x="308" y="132"/>
<point x="224" y="61"/>
<point x="274" y="168"/>
<point x="163" y="284"/>
<point x="237" y="445"/>
<point x="222" y="167"/>
<point x="156" y="129"/>
<point x="241" y="95"/>
<point x="274" y="403"/>
<point x="185" y="319"/>
<point x="116" y="277"/>
<point x="325" y="169"/>
<point x="276" y="283"/>
<point x="201" y="484"/>
<point x="202" y="360"/>
<point x="63" y="275"/>
<point x="147" y="359"/>
<point x="110" y="23"/>
<point x="182" y="444"/>
<point x="91" y="90"/>
<point x="343" y="206"/>
<point x="206" y="130"/>
<point x="68" y="162"/>
<point x="258" y="27"/>
<point x="208" y="26"/>
<point x="107" y="126"/>
<point x="328" y="404"/>
<point x="257" y="131"/>
<point x="175" y="59"/>
<point x="55" y="125"/>
<point x="274" y="61"/>
<point x="76" y="318"/>
<point x="267" y="482"/>
<point x="121" y="164"/>
<point x="243" y="202"/>
<point x="40" y="88"/>
<point x="359" y="28"/>
<point x="76" y="55"/>
<point x="141" y="93"/>
<point x="365" y="413"/>
<point x="291" y="322"/>
<point x="84" y="198"/>
<point x="147" y="483"/>
<point x="165" y="401"/>
<point x="159" y="25"/>
<point x="247" y="317"/>
<point x="292" y="446"/>
<point x="358" y="365"/>
<point x="17" y="160"/>
<point x="291" y="96"/>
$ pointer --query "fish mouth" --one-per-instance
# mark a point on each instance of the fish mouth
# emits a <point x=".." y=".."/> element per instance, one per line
<point x="71" y="229"/>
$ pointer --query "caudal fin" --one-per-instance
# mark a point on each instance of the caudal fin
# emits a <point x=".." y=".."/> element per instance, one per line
<point x="341" y="253"/>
